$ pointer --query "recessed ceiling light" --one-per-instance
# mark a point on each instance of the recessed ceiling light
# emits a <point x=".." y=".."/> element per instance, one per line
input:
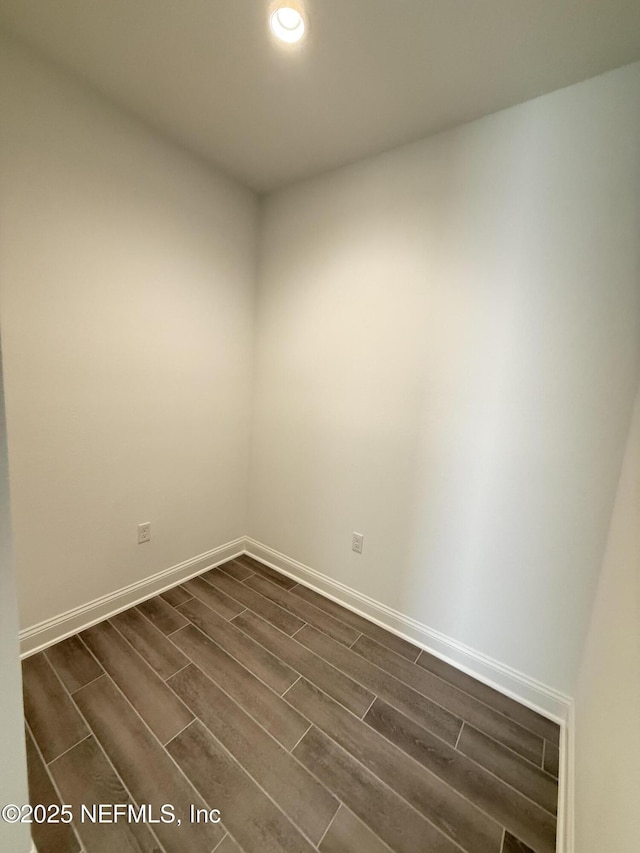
<point x="287" y="23"/>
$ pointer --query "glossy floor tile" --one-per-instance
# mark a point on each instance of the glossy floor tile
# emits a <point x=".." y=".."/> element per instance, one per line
<point x="242" y="712"/>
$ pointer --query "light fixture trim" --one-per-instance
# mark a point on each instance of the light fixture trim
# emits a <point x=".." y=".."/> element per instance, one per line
<point x="287" y="22"/>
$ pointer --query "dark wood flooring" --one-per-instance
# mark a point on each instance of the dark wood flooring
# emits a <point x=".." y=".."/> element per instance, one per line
<point x="308" y="727"/>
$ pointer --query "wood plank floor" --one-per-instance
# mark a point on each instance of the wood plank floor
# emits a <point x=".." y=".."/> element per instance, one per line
<point x="308" y="727"/>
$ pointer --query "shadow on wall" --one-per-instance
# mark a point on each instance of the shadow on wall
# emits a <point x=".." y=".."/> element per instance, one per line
<point x="435" y="370"/>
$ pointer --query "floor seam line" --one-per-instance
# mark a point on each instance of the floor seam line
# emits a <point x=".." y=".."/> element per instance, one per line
<point x="104" y="752"/>
<point x="432" y="773"/>
<point x="303" y="618"/>
<point x="302" y="675"/>
<point x="274" y="639"/>
<point x="231" y="655"/>
<point x="71" y="692"/>
<point x="257" y="677"/>
<point x="152" y="733"/>
<point x="252" y="777"/>
<point x="77" y="743"/>
<point x="52" y="781"/>
<point x="246" y="606"/>
<point x="400" y="796"/>
<point x="438" y="704"/>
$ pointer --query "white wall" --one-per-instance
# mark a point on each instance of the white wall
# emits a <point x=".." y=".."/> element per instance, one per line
<point x="607" y="700"/>
<point x="128" y="272"/>
<point x="13" y="771"/>
<point x="448" y="348"/>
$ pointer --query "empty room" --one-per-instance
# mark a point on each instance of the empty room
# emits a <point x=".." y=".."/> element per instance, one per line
<point x="320" y="426"/>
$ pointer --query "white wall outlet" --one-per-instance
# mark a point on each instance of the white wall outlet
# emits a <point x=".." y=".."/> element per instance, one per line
<point x="144" y="532"/>
<point x="357" y="542"/>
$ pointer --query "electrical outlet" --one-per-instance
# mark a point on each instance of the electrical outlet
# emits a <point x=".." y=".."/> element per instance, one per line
<point x="357" y="542"/>
<point x="144" y="532"/>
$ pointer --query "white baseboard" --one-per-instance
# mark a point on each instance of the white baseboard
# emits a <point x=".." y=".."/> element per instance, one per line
<point x="51" y="631"/>
<point x="545" y="700"/>
<point x="507" y="680"/>
<point x="541" y="698"/>
<point x="566" y="785"/>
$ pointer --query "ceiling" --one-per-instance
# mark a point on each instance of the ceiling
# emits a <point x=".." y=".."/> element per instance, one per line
<point x="371" y="75"/>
